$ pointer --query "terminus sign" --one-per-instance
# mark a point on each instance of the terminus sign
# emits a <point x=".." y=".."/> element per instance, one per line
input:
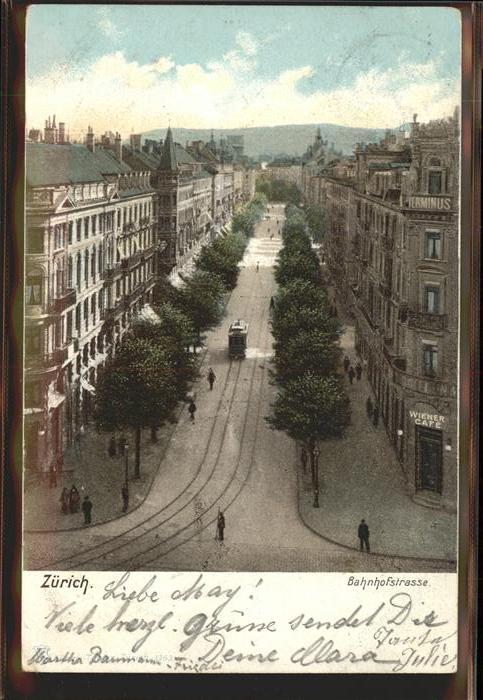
<point x="428" y="420"/>
<point x="429" y="202"/>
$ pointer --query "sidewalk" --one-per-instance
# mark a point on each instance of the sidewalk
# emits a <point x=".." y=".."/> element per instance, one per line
<point x="98" y="476"/>
<point x="360" y="477"/>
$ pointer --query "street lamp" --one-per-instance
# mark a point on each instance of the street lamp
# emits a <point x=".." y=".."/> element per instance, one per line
<point x="316" y="454"/>
<point x="126" y="465"/>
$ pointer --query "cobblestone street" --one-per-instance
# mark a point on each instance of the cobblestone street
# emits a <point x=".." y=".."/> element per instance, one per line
<point x="229" y="459"/>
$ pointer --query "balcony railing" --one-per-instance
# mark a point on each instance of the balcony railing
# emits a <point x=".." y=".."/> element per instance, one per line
<point x="131" y="261"/>
<point x="64" y="300"/>
<point x="111" y="272"/>
<point x="48" y="361"/>
<point x="423" y="320"/>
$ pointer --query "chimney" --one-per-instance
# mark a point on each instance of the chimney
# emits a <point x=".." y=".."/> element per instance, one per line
<point x="118" y="147"/>
<point x="90" y="143"/>
<point x="135" y="142"/>
<point x="61" y="132"/>
<point x="49" y="132"/>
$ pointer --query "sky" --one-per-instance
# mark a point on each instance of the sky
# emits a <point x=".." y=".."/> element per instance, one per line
<point x="134" y="68"/>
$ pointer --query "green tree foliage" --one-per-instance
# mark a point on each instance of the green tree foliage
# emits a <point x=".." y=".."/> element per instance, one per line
<point x="174" y="332"/>
<point x="137" y="389"/>
<point x="222" y="256"/>
<point x="296" y="262"/>
<point x="201" y="299"/>
<point x="311" y="408"/>
<point x="308" y="350"/>
<point x="277" y="190"/>
<point x="247" y="217"/>
<point x="317" y="221"/>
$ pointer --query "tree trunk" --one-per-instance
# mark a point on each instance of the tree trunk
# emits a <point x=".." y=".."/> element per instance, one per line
<point x="137" y="458"/>
<point x="154" y="433"/>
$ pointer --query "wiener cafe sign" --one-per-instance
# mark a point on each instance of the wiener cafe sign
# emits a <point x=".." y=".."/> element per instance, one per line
<point x="428" y="420"/>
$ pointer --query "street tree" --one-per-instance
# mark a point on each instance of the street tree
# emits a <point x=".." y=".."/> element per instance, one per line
<point x="311" y="408"/>
<point x="137" y="389"/>
<point x="201" y="299"/>
<point x="295" y="263"/>
<point x="317" y="222"/>
<point x="313" y="350"/>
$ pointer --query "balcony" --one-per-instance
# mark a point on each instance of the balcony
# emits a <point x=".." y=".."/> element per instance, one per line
<point x="131" y="261"/>
<point x="423" y="320"/>
<point x="63" y="301"/>
<point x="110" y="273"/>
<point x="48" y="362"/>
<point x="132" y="296"/>
<point x="429" y="386"/>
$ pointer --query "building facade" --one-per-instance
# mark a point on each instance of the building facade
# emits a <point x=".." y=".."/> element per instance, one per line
<point x="392" y="254"/>
<point x="89" y="259"/>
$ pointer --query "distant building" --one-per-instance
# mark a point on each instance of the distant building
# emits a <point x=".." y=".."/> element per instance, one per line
<point x="392" y="252"/>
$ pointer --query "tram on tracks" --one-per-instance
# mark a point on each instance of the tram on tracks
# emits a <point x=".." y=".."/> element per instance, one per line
<point x="237" y="338"/>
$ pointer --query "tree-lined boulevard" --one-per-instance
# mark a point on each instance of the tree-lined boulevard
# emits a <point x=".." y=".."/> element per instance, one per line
<point x="230" y="458"/>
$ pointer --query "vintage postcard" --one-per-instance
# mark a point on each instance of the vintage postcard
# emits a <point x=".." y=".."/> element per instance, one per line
<point x="242" y="339"/>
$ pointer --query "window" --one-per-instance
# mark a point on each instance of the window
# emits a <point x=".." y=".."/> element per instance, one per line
<point x="93" y="263"/>
<point x="79" y="229"/>
<point x="71" y="232"/>
<point x="431" y="299"/>
<point x="435" y="182"/>
<point x="93" y="308"/>
<point x="430" y="360"/>
<point x="118" y="218"/>
<point x="78" y="317"/>
<point x="433" y="245"/>
<point x="86" y="314"/>
<point x="69" y="326"/>
<point x="78" y="270"/>
<point x="33" y="288"/>
<point x="86" y="227"/>
<point x="86" y="266"/>
<point x="94" y="224"/>
<point x="32" y="341"/>
<point x="70" y="266"/>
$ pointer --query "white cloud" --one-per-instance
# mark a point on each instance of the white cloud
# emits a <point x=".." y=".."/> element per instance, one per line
<point x="117" y="94"/>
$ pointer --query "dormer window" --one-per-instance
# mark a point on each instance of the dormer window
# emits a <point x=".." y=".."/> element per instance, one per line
<point x="436" y="180"/>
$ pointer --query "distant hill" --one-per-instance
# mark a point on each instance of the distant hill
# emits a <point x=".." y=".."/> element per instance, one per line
<point x="291" y="139"/>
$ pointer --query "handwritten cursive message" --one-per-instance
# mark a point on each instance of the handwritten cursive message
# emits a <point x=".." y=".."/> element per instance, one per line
<point x="209" y="622"/>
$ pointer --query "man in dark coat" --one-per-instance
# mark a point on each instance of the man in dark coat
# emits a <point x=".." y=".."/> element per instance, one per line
<point x="220" y="526"/>
<point x="211" y="378"/>
<point x="86" y="509"/>
<point x="192" y="409"/>
<point x="351" y="374"/>
<point x="358" y="371"/>
<point x="363" y="534"/>
<point x="346" y="364"/>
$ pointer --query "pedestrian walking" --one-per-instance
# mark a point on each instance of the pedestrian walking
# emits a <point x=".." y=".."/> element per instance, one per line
<point x="125" y="498"/>
<point x="211" y="378"/>
<point x="87" y="509"/>
<point x="304" y="458"/>
<point x="112" y="448"/>
<point x="375" y="416"/>
<point x="351" y="374"/>
<point x="192" y="410"/>
<point x="272" y="303"/>
<point x="74" y="500"/>
<point x="363" y="534"/>
<point x="64" y="501"/>
<point x="346" y="363"/>
<point x="220" y="526"/>
<point x="369" y="408"/>
<point x="258" y="265"/>
<point x="358" y="371"/>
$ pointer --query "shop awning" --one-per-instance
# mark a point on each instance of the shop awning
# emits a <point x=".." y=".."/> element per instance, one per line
<point x="54" y="398"/>
<point x="87" y="386"/>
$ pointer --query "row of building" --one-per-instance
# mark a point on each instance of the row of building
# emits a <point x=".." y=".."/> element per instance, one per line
<point x="106" y="223"/>
<point x="392" y="253"/>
